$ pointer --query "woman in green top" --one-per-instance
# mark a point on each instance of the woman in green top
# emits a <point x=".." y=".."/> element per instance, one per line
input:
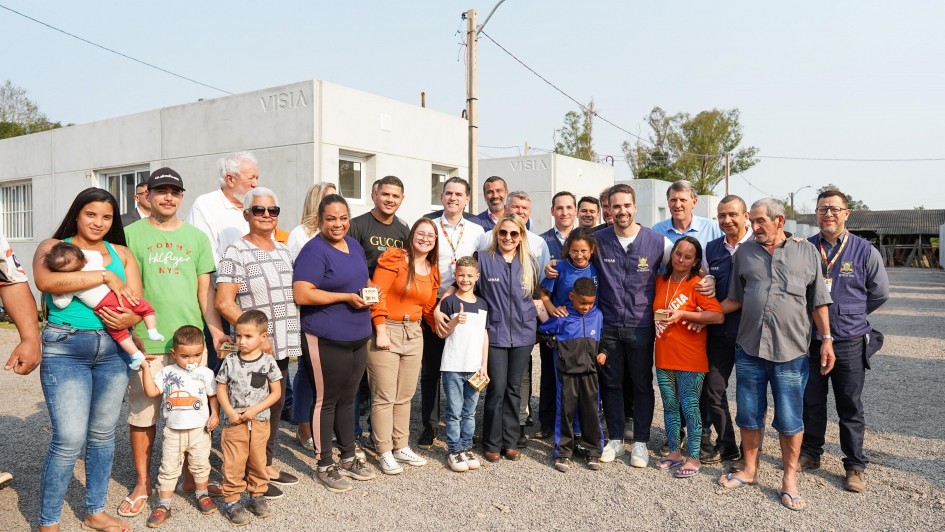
<point x="82" y="373"/>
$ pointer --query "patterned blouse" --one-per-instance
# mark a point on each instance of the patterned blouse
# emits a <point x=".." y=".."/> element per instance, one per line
<point x="265" y="283"/>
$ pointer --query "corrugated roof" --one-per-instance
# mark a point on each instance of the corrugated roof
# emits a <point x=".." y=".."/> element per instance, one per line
<point x="900" y="222"/>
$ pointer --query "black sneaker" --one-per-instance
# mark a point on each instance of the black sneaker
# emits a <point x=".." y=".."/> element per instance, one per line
<point x="258" y="506"/>
<point x="563" y="464"/>
<point x="594" y="464"/>
<point x="522" y="438"/>
<point x="544" y="433"/>
<point x="236" y="514"/>
<point x="529" y="421"/>
<point x="705" y="444"/>
<point x="719" y="454"/>
<point x="273" y="492"/>
<point x="426" y="439"/>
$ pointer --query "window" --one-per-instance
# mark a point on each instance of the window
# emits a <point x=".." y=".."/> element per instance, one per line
<point x="121" y="183"/>
<point x="437" y="178"/>
<point x="351" y="177"/>
<point x="16" y="202"/>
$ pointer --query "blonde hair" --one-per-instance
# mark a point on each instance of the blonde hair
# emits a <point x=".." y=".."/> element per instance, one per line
<point x="525" y="258"/>
<point x="310" y="208"/>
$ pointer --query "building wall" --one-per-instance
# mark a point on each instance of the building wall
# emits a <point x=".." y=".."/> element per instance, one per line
<point x="543" y="176"/>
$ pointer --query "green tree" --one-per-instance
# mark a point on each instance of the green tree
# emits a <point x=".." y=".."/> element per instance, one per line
<point x="576" y="137"/>
<point x="854" y="205"/>
<point x="19" y="115"/>
<point x="689" y="147"/>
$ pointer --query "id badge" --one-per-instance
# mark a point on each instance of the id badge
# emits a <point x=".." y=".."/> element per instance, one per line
<point x="829" y="283"/>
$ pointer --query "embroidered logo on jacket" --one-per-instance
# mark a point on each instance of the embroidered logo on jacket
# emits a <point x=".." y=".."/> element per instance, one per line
<point x="643" y="264"/>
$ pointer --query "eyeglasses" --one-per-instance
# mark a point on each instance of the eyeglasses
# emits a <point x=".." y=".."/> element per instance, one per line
<point x="504" y="233"/>
<point x="259" y="210"/>
<point x="832" y="210"/>
<point x="429" y="237"/>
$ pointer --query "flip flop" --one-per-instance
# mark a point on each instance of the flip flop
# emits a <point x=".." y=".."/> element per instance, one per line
<point x="666" y="464"/>
<point x="741" y="483"/>
<point x="131" y="504"/>
<point x="783" y="494"/>
<point x="686" y="472"/>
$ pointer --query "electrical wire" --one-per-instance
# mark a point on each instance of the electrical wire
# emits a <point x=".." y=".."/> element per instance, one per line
<point x="126" y="56"/>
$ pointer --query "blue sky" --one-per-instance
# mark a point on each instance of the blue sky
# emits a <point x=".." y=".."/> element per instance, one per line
<point x="836" y="79"/>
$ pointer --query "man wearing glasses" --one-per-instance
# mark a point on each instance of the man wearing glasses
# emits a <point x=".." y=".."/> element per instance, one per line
<point x="857" y="280"/>
<point x="142" y="208"/>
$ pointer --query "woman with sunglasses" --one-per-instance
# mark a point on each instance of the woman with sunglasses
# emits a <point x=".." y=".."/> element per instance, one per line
<point x="255" y="273"/>
<point x="408" y="280"/>
<point x="507" y="281"/>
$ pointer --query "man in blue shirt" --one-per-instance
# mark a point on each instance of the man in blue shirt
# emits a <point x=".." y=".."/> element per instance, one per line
<point x="681" y="198"/>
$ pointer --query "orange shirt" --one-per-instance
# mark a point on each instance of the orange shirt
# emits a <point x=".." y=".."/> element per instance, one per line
<point x="677" y="347"/>
<point x="395" y="303"/>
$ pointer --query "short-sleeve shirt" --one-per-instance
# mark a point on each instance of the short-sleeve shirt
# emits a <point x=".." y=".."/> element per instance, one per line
<point x="186" y="393"/>
<point x="170" y="262"/>
<point x="247" y="381"/>
<point x="265" y="284"/>
<point x="376" y="237"/>
<point x="677" y="347"/>
<point x="333" y="270"/>
<point x="778" y="293"/>
<point x="11" y="271"/>
<point x="559" y="288"/>
<point x="702" y="229"/>
<point x="219" y="219"/>
<point x="462" y="349"/>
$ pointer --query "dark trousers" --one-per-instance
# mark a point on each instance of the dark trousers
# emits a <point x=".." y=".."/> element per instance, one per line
<point x="577" y="390"/>
<point x="500" y="428"/>
<point x="547" y="402"/>
<point x="430" y="377"/>
<point x="628" y="349"/>
<point x="213" y="362"/>
<point x="275" y="411"/>
<point x="847" y="378"/>
<point x="721" y="353"/>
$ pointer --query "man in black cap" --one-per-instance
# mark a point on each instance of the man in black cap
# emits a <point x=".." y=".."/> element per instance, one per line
<point x="176" y="260"/>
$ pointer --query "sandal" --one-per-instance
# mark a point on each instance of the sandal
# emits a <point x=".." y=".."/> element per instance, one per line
<point x="793" y="500"/>
<point x="131" y="504"/>
<point x="686" y="472"/>
<point x="666" y="464"/>
<point x="730" y="477"/>
<point x="118" y="526"/>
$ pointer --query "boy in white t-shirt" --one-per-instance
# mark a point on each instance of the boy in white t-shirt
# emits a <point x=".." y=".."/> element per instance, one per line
<point x="190" y="412"/>
<point x="465" y="353"/>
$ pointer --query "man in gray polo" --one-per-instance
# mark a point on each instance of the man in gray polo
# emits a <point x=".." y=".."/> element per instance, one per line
<point x="775" y="280"/>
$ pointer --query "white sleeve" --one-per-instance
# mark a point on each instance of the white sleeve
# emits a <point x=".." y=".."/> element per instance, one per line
<point x="667" y="250"/>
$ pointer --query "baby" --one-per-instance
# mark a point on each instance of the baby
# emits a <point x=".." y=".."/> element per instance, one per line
<point x="67" y="257"/>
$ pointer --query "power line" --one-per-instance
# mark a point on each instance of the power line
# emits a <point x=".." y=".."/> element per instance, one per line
<point x="852" y="159"/>
<point x="126" y="56"/>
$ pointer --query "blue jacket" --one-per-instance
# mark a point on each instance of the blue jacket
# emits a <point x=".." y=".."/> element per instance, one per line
<point x="627" y="281"/>
<point x="720" y="266"/>
<point x="578" y="339"/>
<point x="512" y="312"/>
<point x="554" y="246"/>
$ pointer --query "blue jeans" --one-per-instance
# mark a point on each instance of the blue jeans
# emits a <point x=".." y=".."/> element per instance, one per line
<point x="84" y="379"/>
<point x="788" y="380"/>
<point x="461" y="401"/>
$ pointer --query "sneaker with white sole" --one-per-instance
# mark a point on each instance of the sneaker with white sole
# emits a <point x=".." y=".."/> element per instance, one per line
<point x="355" y="468"/>
<point x="639" y="456"/>
<point x="332" y="479"/>
<point x="389" y="466"/>
<point x="471" y="461"/>
<point x="608" y="455"/>
<point x="617" y="447"/>
<point x="407" y="456"/>
<point x="457" y="462"/>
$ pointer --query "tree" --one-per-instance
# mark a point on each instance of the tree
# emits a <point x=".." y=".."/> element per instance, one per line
<point x="688" y="147"/>
<point x="852" y="204"/>
<point x="20" y="115"/>
<point x="576" y="135"/>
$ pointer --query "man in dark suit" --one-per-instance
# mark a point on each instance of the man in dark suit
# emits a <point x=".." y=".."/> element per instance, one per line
<point x="142" y="208"/>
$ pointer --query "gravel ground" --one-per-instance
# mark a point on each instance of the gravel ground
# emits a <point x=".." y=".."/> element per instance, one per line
<point x="905" y="441"/>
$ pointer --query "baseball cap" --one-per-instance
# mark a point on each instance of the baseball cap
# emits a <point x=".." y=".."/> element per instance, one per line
<point x="165" y="176"/>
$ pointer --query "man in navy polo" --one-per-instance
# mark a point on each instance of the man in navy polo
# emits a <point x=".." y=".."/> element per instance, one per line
<point x="854" y="273"/>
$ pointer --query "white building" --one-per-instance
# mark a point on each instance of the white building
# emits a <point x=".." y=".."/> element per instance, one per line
<point x="543" y="176"/>
<point x="302" y="133"/>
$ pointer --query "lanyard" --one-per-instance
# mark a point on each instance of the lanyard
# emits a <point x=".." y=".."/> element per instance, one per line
<point x="823" y="255"/>
<point x="462" y="228"/>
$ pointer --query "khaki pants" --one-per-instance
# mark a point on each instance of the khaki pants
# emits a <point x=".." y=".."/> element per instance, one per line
<point x="244" y="454"/>
<point x="196" y="444"/>
<point x="392" y="374"/>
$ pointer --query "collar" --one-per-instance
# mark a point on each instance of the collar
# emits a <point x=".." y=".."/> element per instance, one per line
<point x="141" y="214"/>
<point x="561" y="238"/>
<point x="839" y="241"/>
<point x="744" y="239"/>
<point x="446" y="223"/>
<point x="225" y="202"/>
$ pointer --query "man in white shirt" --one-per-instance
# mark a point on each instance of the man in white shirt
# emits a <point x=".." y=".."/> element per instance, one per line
<point x="458" y="237"/>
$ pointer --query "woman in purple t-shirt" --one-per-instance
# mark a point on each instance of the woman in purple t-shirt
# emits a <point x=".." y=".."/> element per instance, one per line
<point x="329" y="273"/>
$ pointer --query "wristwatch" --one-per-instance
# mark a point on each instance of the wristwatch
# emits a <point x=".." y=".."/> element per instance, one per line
<point x="103" y="276"/>
<point x="826" y="337"/>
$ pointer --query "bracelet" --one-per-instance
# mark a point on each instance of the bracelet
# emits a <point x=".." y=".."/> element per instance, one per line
<point x="103" y="276"/>
<point x="826" y="337"/>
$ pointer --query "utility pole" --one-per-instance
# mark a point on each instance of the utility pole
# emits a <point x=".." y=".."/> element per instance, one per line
<point x="727" y="169"/>
<point x="472" y="103"/>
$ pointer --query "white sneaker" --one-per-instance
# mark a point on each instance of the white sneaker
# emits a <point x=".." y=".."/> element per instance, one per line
<point x="409" y="457"/>
<point x="457" y="463"/>
<point x="608" y="455"/>
<point x="389" y="466"/>
<point x="471" y="461"/>
<point x="614" y="446"/>
<point x="639" y="456"/>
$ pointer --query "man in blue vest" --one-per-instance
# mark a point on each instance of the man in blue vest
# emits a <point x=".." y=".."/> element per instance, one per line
<point x="720" y="347"/>
<point x="854" y="273"/>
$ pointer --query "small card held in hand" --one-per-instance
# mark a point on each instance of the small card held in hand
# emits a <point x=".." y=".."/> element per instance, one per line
<point x="370" y="295"/>
<point x="226" y="348"/>
<point x="661" y="315"/>
<point x="477" y="381"/>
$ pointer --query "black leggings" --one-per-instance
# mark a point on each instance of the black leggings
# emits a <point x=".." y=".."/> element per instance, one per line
<point x="335" y="370"/>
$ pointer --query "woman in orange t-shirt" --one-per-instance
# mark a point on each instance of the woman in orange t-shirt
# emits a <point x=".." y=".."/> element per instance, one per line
<point x="408" y="280"/>
<point x="681" y="361"/>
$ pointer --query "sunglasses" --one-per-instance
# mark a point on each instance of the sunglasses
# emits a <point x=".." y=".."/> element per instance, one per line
<point x="259" y="210"/>
<point x="504" y="233"/>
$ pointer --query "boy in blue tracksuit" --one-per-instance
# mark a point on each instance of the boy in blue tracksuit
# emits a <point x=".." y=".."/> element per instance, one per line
<point x="577" y="356"/>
